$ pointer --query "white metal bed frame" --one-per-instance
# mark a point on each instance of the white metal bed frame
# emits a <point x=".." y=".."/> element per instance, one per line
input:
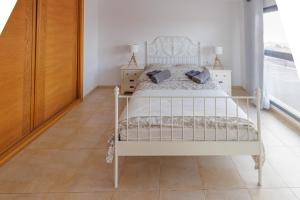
<point x="180" y="50"/>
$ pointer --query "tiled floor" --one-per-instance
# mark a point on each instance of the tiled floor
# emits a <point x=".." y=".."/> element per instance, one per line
<point x="68" y="162"/>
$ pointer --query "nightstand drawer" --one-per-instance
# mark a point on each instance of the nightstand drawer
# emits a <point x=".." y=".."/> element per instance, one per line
<point x="129" y="77"/>
<point x="130" y="80"/>
<point x="132" y="74"/>
<point x="223" y="77"/>
<point x="129" y="88"/>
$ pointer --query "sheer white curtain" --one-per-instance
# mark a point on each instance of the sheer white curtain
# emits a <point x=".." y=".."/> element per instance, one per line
<point x="255" y="71"/>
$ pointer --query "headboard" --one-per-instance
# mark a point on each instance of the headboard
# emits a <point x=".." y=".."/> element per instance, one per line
<point x="173" y="50"/>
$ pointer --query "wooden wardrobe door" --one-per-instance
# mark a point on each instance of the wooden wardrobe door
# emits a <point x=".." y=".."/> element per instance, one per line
<point x="16" y="51"/>
<point x="57" y="57"/>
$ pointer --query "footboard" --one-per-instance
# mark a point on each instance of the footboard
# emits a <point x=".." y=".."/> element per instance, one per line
<point x="180" y="145"/>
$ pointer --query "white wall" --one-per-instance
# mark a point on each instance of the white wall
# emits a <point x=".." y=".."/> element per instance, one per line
<point x="121" y="22"/>
<point x="91" y="69"/>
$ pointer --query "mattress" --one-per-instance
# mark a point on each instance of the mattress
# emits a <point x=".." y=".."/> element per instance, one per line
<point x="177" y="110"/>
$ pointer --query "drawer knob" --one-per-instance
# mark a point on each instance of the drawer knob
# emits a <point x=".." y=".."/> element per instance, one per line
<point x="131" y="80"/>
<point x="221" y="82"/>
<point x="131" y="86"/>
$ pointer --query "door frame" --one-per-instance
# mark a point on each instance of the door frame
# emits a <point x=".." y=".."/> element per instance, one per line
<point x="80" y="50"/>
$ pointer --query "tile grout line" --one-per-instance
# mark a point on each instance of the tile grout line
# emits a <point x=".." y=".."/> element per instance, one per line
<point x="271" y="165"/>
<point x="236" y="168"/>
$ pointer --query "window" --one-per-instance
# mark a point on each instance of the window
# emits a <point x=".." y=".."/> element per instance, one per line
<point x="283" y="82"/>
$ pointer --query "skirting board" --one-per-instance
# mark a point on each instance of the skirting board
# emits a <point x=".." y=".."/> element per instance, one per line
<point x="14" y="149"/>
<point x="107" y="86"/>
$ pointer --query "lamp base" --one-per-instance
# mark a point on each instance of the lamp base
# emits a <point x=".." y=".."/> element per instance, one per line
<point x="218" y="64"/>
<point x="132" y="61"/>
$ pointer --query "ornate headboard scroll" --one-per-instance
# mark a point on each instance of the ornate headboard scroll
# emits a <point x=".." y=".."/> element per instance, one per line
<point x="173" y="50"/>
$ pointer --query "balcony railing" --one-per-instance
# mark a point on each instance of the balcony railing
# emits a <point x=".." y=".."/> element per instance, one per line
<point x="283" y="84"/>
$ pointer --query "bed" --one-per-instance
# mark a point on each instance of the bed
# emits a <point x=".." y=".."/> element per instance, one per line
<point x="179" y="117"/>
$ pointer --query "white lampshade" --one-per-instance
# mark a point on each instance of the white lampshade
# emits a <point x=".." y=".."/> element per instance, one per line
<point x="219" y="50"/>
<point x="134" y="48"/>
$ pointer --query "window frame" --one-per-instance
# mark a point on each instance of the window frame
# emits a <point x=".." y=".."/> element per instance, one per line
<point x="279" y="55"/>
<point x="273" y="8"/>
<point x="284" y="56"/>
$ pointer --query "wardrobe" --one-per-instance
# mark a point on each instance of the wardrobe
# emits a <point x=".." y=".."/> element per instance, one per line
<point x="40" y="69"/>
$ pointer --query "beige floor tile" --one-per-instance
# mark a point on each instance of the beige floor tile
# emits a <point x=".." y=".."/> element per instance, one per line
<point x="219" y="172"/>
<point x="76" y="116"/>
<point x="289" y="136"/>
<point x="72" y="121"/>
<point x="54" y="196"/>
<point x="270" y="139"/>
<point x="245" y="166"/>
<point x="123" y="195"/>
<point x="70" y="157"/>
<point x="99" y="120"/>
<point x="91" y="181"/>
<point x="36" y="170"/>
<point x="180" y="173"/>
<point x="180" y="195"/>
<point x="89" y="196"/>
<point x="140" y="173"/>
<point x="84" y="108"/>
<point x="96" y="97"/>
<point x="286" y="163"/>
<point x="58" y="196"/>
<point x="21" y="197"/>
<point x="87" y="138"/>
<point x="79" y="196"/>
<point x="73" y="138"/>
<point x="239" y="194"/>
<point x="54" y="138"/>
<point x="272" y="194"/>
<point x="277" y="153"/>
<point x="93" y="175"/>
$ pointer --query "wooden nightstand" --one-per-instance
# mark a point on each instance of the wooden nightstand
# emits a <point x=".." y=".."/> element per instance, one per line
<point x="129" y="76"/>
<point x="223" y="77"/>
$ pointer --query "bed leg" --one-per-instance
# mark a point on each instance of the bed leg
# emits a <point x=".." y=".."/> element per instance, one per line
<point x="116" y="171"/>
<point x="259" y="171"/>
<point x="258" y="108"/>
<point x="116" y="92"/>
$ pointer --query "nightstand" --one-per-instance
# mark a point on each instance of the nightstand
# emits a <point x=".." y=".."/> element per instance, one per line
<point x="223" y="77"/>
<point x="129" y="76"/>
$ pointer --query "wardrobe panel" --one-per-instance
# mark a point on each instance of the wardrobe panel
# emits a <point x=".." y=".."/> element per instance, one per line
<point x="57" y="57"/>
<point x="16" y="68"/>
